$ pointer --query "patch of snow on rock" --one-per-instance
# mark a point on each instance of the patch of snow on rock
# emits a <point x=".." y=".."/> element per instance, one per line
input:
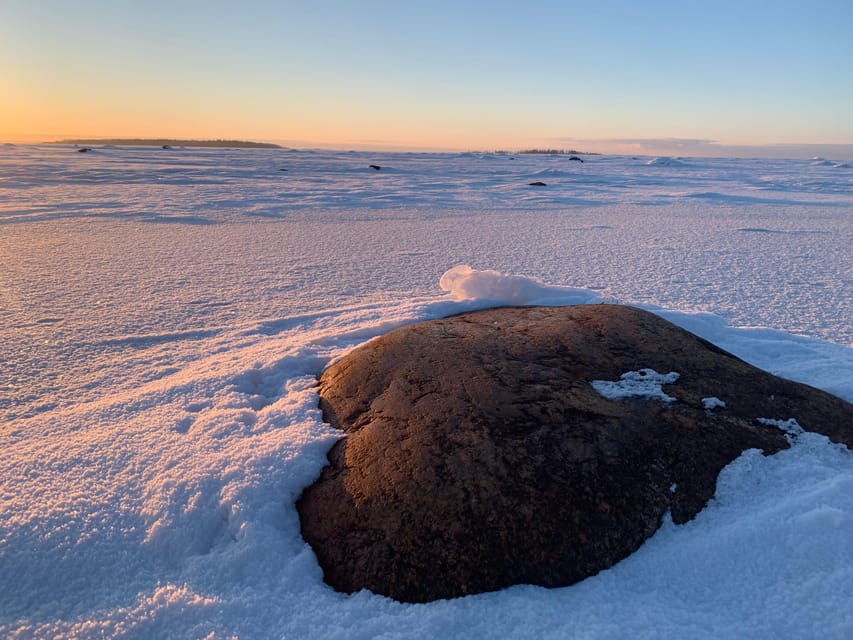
<point x="790" y="426"/>
<point x="645" y="383"/>
<point x="713" y="403"/>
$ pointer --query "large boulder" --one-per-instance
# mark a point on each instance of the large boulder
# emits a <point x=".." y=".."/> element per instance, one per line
<point x="532" y="445"/>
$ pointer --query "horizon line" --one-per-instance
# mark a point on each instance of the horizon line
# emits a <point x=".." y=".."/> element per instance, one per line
<point x="684" y="147"/>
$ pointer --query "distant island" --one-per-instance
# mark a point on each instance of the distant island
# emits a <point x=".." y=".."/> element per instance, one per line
<point x="169" y="142"/>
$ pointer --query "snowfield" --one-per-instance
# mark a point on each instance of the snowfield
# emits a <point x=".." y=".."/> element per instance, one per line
<point x="164" y="314"/>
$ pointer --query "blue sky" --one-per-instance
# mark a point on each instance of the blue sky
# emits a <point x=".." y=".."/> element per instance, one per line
<point x="707" y="76"/>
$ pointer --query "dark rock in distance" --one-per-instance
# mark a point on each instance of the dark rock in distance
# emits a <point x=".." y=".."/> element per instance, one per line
<point x="479" y="455"/>
<point x="538" y="183"/>
<point x="375" y="166"/>
<point x="84" y="149"/>
<point x="576" y="159"/>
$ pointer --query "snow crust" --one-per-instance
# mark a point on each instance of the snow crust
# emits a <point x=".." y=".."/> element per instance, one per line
<point x="644" y="383"/>
<point x="164" y="314"/>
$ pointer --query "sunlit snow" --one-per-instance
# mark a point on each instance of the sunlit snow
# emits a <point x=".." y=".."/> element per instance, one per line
<point x="164" y="314"/>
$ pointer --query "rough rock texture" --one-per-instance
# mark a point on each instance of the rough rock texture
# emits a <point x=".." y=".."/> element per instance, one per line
<point x="478" y="454"/>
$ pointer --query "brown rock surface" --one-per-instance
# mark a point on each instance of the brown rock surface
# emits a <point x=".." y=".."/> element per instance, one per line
<point x="478" y="454"/>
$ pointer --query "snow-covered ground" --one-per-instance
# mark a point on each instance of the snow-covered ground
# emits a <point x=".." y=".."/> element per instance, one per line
<point x="163" y="314"/>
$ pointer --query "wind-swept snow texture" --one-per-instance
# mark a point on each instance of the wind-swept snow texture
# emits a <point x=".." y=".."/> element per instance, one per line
<point x="163" y="315"/>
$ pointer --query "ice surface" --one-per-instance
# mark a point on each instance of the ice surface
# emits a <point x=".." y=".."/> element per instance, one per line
<point x="163" y="315"/>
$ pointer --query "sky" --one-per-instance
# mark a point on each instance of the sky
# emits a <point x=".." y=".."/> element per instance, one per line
<point x="685" y="77"/>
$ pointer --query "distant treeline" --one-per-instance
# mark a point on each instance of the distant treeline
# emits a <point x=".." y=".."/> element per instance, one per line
<point x="559" y="152"/>
<point x="168" y="142"/>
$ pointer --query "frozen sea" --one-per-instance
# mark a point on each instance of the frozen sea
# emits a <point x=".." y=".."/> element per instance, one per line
<point x="164" y="313"/>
